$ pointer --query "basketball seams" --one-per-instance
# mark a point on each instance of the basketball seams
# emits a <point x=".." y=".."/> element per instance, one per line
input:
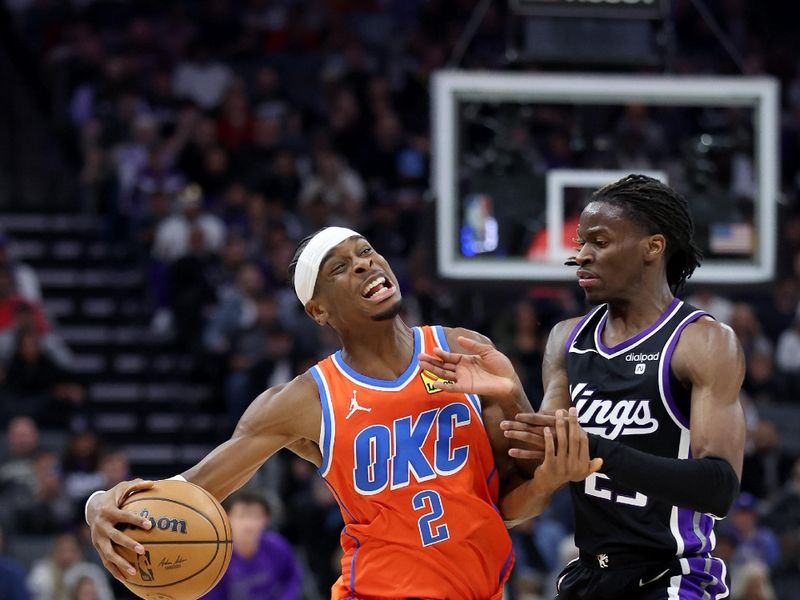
<point x="228" y="540"/>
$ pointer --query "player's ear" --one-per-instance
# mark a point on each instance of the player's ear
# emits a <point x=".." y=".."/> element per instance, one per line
<point x="317" y="311"/>
<point x="655" y="245"/>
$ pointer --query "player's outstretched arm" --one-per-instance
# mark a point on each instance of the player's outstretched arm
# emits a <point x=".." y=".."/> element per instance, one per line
<point x="282" y="416"/>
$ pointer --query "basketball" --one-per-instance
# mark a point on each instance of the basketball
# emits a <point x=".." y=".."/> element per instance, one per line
<point x="188" y="547"/>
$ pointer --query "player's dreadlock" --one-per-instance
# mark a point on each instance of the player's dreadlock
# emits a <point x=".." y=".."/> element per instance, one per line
<point x="658" y="209"/>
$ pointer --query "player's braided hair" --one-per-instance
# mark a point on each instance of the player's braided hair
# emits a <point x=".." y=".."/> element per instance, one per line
<point x="658" y="209"/>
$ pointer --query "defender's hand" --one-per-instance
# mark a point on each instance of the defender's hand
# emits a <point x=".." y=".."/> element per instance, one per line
<point x="566" y="458"/>
<point x="528" y="428"/>
<point x="488" y="372"/>
<point x="103" y="513"/>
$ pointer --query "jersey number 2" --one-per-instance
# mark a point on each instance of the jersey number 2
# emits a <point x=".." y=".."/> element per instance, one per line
<point x="592" y="488"/>
<point x="428" y="533"/>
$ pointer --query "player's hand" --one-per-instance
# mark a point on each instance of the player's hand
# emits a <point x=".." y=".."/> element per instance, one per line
<point x="103" y="513"/>
<point x="528" y="428"/>
<point x="487" y="372"/>
<point x="570" y="462"/>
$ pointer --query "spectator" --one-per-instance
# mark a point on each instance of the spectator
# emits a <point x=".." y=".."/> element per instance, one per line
<point x="316" y="525"/>
<point x="28" y="318"/>
<point x="336" y="185"/>
<point x="263" y="564"/>
<point x="26" y="281"/>
<point x="38" y="386"/>
<point x="752" y="582"/>
<point x="752" y="542"/>
<point x="787" y="360"/>
<point x="201" y="79"/>
<point x="192" y="292"/>
<point x="81" y="465"/>
<point x="257" y="353"/>
<point x="533" y="543"/>
<point x="83" y="588"/>
<point x="765" y="464"/>
<point x="12" y="577"/>
<point x="10" y="300"/>
<point x="51" y="577"/>
<point x="45" y="508"/>
<point x="714" y="304"/>
<point x="237" y="310"/>
<point x="519" y="335"/>
<point x="173" y="235"/>
<point x="22" y="445"/>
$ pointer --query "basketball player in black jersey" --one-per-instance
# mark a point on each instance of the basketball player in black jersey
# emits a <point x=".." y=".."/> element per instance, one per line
<point x="655" y="383"/>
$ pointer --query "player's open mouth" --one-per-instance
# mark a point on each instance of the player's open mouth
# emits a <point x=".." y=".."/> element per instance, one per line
<point x="377" y="289"/>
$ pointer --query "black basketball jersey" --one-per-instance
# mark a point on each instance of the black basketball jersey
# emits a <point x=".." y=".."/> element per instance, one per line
<point x="628" y="394"/>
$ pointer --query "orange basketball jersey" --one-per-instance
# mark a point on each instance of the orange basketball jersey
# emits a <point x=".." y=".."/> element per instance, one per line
<point x="412" y="470"/>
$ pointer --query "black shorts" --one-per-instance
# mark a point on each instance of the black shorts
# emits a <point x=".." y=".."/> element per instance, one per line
<point x="699" y="577"/>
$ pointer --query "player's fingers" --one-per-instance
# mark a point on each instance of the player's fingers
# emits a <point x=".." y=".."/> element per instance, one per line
<point x="574" y="433"/>
<point x="448" y="357"/>
<point x="118" y="515"/>
<point x="123" y="491"/>
<point x="583" y="450"/>
<point x="595" y="465"/>
<point x="120" y="539"/>
<point x="561" y="434"/>
<point x="438" y="371"/>
<point x="453" y="386"/>
<point x="549" y="449"/>
<point x="524" y="436"/>
<point x="112" y="568"/>
<point x="427" y="359"/>
<point x="526" y="454"/>
<point x="504" y="425"/>
<point x="537" y="419"/>
<point x="473" y="346"/>
<point x="111" y="555"/>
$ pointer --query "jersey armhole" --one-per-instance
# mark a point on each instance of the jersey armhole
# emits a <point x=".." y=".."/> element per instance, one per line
<point x="327" y="430"/>
<point x="665" y="370"/>
<point x="440" y="337"/>
<point x="579" y="327"/>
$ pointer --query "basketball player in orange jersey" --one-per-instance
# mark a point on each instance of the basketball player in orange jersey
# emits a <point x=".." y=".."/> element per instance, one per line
<point x="422" y="475"/>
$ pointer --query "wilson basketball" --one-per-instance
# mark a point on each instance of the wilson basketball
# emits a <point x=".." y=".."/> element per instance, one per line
<point x="188" y="547"/>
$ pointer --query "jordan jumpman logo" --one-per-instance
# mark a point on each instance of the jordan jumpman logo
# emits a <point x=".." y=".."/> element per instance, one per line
<point x="354" y="406"/>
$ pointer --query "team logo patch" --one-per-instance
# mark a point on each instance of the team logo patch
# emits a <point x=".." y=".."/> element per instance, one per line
<point x="428" y="379"/>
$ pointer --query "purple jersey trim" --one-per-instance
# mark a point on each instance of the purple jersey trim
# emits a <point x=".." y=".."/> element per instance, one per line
<point x="676" y="335"/>
<point x="579" y="326"/>
<point x="630" y="341"/>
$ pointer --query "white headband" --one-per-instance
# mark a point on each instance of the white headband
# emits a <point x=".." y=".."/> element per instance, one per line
<point x="305" y="274"/>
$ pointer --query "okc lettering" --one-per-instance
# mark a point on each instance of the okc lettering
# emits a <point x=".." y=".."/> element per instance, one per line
<point x="385" y="456"/>
<point x="641" y="357"/>
<point x="612" y="418"/>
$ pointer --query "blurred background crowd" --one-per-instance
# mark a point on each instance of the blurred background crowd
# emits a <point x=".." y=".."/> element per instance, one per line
<point x="206" y="138"/>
